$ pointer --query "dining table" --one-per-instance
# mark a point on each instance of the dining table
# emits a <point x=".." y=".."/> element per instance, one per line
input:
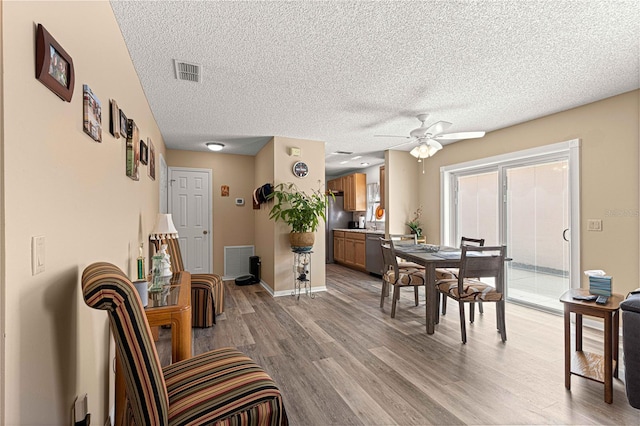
<point x="431" y="257"/>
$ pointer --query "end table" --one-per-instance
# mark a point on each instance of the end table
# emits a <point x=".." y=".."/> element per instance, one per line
<point x="600" y="368"/>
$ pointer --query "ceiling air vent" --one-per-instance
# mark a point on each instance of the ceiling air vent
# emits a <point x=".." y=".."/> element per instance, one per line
<point x="343" y="152"/>
<point x="188" y="71"/>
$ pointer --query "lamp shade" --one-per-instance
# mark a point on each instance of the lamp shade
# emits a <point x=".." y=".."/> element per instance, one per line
<point x="424" y="150"/>
<point x="164" y="227"/>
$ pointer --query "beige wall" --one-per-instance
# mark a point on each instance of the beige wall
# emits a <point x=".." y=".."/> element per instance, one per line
<point x="232" y="225"/>
<point x="313" y="155"/>
<point x="62" y="185"/>
<point x="265" y="228"/>
<point x="608" y="131"/>
<point x="401" y="170"/>
<point x="243" y="225"/>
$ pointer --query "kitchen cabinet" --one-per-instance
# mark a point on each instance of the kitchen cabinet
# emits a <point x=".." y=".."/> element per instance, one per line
<point x="335" y="185"/>
<point x="338" y="246"/>
<point x="355" y="192"/>
<point x="349" y="249"/>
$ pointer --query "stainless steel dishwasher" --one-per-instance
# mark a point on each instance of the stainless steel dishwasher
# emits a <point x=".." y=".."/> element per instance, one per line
<point x="374" y="254"/>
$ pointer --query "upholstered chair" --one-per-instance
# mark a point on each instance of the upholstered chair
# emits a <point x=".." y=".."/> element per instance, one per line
<point x="221" y="387"/>
<point x="392" y="275"/>
<point x="477" y="264"/>
<point x="207" y="290"/>
<point x="452" y="273"/>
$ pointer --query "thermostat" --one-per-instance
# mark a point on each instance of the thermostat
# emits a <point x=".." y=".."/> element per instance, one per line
<point x="239" y="201"/>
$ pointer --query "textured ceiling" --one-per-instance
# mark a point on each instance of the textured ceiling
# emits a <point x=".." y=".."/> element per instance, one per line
<point x="341" y="72"/>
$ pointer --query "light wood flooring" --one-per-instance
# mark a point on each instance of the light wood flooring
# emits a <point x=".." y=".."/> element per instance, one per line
<point x="341" y="360"/>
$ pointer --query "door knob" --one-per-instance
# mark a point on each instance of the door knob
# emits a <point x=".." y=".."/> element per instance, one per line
<point x="564" y="234"/>
<point x="205" y="232"/>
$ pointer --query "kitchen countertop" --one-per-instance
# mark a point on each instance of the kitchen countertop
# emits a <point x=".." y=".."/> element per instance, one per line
<point x="362" y="231"/>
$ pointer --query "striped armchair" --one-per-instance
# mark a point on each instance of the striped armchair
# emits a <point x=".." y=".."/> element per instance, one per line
<point x="221" y="387"/>
<point x="207" y="290"/>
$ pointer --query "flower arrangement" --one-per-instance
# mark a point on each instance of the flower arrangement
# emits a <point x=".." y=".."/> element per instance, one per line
<point x="414" y="223"/>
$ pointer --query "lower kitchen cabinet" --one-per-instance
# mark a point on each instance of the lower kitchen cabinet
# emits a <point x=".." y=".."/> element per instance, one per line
<point x="349" y="249"/>
<point x="338" y="246"/>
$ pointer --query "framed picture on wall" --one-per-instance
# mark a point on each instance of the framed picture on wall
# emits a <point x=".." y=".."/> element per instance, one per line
<point x="124" y="125"/>
<point x="54" y="66"/>
<point x="152" y="160"/>
<point x="144" y="153"/>
<point x="133" y="152"/>
<point x="114" y="122"/>
<point x="92" y="116"/>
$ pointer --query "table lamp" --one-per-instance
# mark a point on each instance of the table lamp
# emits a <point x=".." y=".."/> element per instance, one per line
<point x="164" y="229"/>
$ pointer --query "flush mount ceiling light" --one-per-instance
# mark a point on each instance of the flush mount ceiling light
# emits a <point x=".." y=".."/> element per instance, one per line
<point x="215" y="146"/>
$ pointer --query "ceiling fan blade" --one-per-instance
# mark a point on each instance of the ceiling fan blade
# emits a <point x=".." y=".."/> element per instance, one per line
<point x="437" y="128"/>
<point x="403" y="143"/>
<point x="460" y="135"/>
<point x="434" y="143"/>
<point x="391" y="136"/>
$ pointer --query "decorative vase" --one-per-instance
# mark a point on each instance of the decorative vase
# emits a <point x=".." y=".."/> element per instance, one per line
<point x="301" y="241"/>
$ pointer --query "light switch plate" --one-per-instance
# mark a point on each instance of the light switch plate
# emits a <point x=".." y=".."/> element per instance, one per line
<point x="37" y="255"/>
<point x="594" y="225"/>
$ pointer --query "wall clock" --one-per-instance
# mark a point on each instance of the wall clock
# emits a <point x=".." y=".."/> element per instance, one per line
<point x="300" y="169"/>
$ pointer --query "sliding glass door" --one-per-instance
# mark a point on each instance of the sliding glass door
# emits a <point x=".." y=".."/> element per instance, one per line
<point x="537" y="223"/>
<point x="527" y="202"/>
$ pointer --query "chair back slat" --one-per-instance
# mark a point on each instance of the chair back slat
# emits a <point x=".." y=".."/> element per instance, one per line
<point x="106" y="287"/>
<point x="404" y="237"/>
<point x="482" y="262"/>
<point x="466" y="241"/>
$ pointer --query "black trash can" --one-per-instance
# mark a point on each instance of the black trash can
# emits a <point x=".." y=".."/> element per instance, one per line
<point x="631" y="344"/>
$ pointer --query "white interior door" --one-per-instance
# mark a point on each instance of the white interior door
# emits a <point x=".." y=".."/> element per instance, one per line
<point x="190" y="206"/>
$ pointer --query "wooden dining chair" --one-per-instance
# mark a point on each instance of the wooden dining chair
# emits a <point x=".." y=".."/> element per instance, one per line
<point x="477" y="264"/>
<point x="452" y="273"/>
<point x="398" y="277"/>
<point x="407" y="239"/>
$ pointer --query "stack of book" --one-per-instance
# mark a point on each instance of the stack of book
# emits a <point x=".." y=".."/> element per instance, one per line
<point x="600" y="285"/>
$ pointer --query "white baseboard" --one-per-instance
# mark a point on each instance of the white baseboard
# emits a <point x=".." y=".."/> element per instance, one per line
<point x="281" y="293"/>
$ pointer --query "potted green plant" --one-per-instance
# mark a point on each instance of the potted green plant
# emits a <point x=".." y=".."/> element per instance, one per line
<point x="414" y="224"/>
<point x="301" y="211"/>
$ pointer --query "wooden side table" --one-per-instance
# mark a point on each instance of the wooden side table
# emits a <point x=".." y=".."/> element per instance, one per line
<point x="600" y="368"/>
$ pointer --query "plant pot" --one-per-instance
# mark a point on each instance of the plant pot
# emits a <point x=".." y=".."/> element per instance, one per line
<point x="302" y="241"/>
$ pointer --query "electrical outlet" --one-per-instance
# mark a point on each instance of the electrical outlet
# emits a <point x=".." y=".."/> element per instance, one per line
<point x="594" y="225"/>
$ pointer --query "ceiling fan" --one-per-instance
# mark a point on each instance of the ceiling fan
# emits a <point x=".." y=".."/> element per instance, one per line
<point x="428" y="136"/>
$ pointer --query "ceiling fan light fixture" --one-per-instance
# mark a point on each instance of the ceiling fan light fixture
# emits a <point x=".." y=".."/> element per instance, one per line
<point x="215" y="146"/>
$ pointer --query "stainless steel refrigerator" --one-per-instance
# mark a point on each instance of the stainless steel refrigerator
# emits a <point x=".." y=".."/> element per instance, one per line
<point x="337" y="218"/>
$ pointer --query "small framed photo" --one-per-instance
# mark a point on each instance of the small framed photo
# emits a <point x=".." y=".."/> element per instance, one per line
<point x="124" y="125"/>
<point x="133" y="152"/>
<point x="54" y="66"/>
<point x="114" y="122"/>
<point x="152" y="159"/>
<point x="144" y="153"/>
<point x="92" y="117"/>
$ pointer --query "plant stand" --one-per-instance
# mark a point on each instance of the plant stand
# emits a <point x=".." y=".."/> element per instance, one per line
<point x="302" y="273"/>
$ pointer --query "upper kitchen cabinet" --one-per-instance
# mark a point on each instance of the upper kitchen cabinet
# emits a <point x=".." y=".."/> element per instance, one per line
<point x="355" y="192"/>
<point x="335" y="185"/>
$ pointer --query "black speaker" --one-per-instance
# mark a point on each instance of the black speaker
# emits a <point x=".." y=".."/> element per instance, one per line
<point x="254" y="267"/>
